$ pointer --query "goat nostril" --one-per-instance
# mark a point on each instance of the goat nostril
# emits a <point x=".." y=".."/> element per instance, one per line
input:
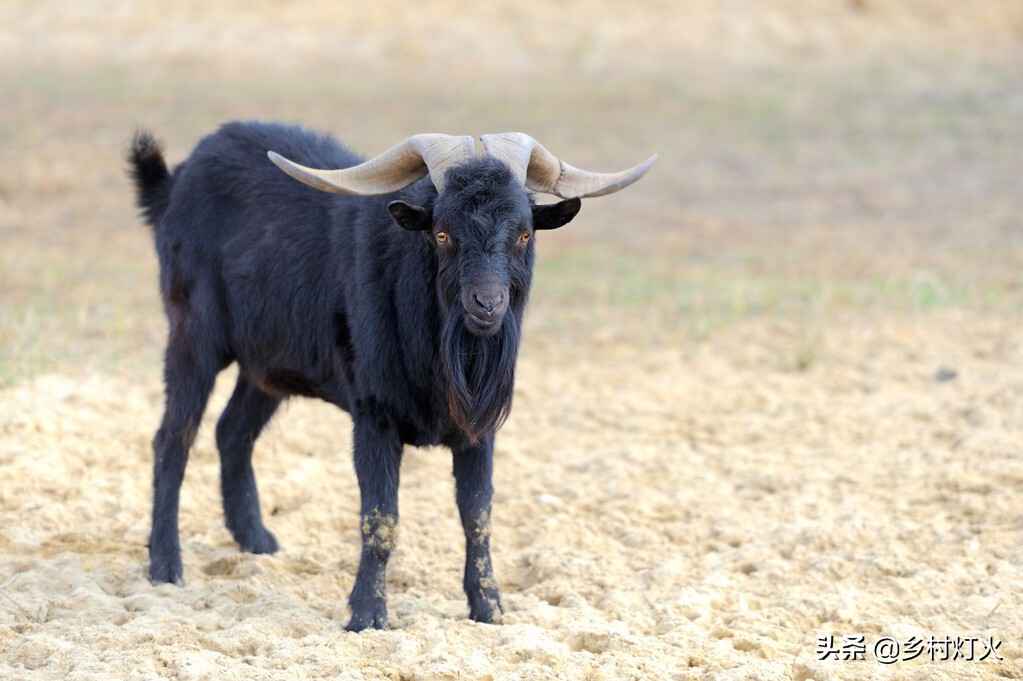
<point x="488" y="301"/>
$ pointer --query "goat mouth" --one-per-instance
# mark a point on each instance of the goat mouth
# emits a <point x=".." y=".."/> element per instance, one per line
<point x="483" y="325"/>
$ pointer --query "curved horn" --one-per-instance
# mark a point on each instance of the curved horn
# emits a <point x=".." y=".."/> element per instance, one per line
<point x="542" y="171"/>
<point x="395" y="169"/>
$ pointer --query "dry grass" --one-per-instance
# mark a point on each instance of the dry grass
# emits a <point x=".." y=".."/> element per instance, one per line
<point x="885" y="177"/>
<point x="520" y="39"/>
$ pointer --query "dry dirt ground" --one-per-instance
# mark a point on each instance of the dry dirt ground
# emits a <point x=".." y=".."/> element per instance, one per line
<point x="770" y="400"/>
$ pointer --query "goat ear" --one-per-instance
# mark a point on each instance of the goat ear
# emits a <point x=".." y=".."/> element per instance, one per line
<point x="410" y="217"/>
<point x="554" y="215"/>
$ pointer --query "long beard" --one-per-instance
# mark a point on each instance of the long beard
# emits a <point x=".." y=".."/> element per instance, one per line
<point x="480" y="373"/>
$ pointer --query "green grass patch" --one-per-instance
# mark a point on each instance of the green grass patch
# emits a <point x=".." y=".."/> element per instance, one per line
<point x="670" y="293"/>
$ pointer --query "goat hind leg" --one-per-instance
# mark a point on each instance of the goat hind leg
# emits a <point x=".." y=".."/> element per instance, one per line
<point x="188" y="385"/>
<point x="247" y="412"/>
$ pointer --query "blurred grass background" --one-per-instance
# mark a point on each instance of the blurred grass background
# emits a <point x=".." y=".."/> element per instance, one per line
<point x="819" y="159"/>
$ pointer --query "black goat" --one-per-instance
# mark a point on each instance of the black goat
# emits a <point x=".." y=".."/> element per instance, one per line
<point x="413" y="331"/>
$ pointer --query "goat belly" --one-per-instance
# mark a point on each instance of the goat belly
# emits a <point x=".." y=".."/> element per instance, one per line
<point x="284" y="383"/>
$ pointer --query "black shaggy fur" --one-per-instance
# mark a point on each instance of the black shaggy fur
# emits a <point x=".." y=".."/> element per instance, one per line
<point x="404" y="310"/>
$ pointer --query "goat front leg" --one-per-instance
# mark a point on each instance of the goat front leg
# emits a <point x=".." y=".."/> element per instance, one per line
<point x="378" y="452"/>
<point x="474" y="491"/>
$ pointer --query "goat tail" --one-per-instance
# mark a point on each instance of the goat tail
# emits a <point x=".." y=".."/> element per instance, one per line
<point x="148" y="170"/>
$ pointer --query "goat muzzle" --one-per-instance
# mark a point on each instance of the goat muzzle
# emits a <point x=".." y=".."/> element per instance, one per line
<point x="485" y="305"/>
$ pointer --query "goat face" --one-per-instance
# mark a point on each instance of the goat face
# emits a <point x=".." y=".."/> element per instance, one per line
<point x="481" y="227"/>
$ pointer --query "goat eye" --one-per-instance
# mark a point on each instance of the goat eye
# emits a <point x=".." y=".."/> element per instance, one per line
<point x="524" y="238"/>
<point x="441" y="237"/>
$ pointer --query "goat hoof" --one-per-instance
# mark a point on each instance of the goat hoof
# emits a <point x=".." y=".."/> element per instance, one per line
<point x="177" y="581"/>
<point x="373" y="617"/>
<point x="485" y="606"/>
<point x="262" y="541"/>
<point x="167" y="575"/>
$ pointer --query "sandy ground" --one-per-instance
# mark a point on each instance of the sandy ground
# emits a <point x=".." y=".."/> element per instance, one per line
<point x="770" y="399"/>
<point x="665" y="513"/>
